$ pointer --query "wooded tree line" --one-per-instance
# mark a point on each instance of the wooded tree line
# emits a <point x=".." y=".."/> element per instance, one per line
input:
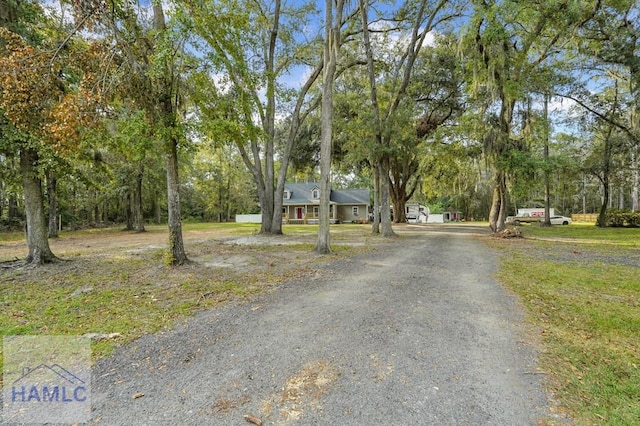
<point x="123" y="111"/>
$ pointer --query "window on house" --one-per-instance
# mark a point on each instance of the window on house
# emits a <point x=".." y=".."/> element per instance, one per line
<point x="316" y="211"/>
<point x="315" y="194"/>
<point x="287" y="194"/>
<point x="355" y="210"/>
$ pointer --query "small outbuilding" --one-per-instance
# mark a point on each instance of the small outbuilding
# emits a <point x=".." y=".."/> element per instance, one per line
<point x="449" y="216"/>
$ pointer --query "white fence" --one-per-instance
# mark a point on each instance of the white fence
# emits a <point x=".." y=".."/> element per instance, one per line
<point x="249" y="218"/>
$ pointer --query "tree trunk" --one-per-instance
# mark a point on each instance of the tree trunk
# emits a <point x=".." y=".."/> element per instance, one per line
<point x="621" y="198"/>
<point x="399" y="203"/>
<point x="375" y="227"/>
<point x="502" y="214"/>
<point x="547" y="178"/>
<point x="269" y="125"/>
<point x="52" y="195"/>
<point x="37" y="242"/>
<point x="266" y="207"/>
<point x="128" y="215"/>
<point x="255" y="168"/>
<point x="498" y="212"/>
<point x="606" y="192"/>
<point x="176" y="244"/>
<point x="276" y="220"/>
<point x="165" y="100"/>
<point x="396" y="192"/>
<point x="382" y="166"/>
<point x="331" y="46"/>
<point x="296" y="120"/>
<point x="602" y="215"/>
<point x="635" y="181"/>
<point x="400" y="196"/>
<point x="138" y="208"/>
<point x="227" y="202"/>
<point x="157" y="209"/>
<point x="269" y="189"/>
<point x="220" y="201"/>
<point x="12" y="210"/>
<point x="385" y="205"/>
<point x="604" y="179"/>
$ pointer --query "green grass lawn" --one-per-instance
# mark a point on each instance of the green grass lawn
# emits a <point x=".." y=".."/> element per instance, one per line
<point x="581" y="287"/>
<point x="586" y="233"/>
<point x="227" y="227"/>
<point x="114" y="281"/>
<point x="11" y="236"/>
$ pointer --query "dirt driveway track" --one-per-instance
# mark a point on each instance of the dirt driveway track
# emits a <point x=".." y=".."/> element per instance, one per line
<point x="416" y="333"/>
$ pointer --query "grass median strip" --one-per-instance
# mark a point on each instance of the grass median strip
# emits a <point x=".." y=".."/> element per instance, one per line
<point x="581" y="288"/>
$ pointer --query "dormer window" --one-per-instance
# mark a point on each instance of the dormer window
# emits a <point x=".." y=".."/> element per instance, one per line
<point x="287" y="194"/>
<point x="315" y="193"/>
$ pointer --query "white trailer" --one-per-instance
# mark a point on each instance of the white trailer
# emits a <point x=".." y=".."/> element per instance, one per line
<point x="416" y="213"/>
<point x="535" y="212"/>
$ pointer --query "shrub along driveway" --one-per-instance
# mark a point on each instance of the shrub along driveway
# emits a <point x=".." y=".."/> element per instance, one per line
<point x="416" y="332"/>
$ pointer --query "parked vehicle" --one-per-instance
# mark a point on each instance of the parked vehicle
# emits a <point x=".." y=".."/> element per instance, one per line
<point x="529" y="215"/>
<point x="524" y="218"/>
<point x="560" y="220"/>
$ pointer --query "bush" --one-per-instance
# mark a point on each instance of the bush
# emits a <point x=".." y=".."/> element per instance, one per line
<point x="622" y="218"/>
<point x="13" y="224"/>
<point x="633" y="219"/>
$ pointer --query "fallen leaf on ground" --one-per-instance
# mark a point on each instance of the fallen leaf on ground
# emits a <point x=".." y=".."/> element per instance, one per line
<point x="252" y="419"/>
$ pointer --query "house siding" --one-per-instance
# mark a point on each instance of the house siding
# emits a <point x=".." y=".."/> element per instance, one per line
<point x="301" y="195"/>
<point x="345" y="213"/>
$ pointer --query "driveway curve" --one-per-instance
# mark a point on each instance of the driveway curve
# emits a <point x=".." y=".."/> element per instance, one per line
<point x="417" y="332"/>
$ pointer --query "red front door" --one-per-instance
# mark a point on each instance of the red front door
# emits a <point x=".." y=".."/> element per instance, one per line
<point x="299" y="212"/>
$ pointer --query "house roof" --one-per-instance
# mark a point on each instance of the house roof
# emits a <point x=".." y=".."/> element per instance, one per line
<point x="302" y="193"/>
<point x="350" y="196"/>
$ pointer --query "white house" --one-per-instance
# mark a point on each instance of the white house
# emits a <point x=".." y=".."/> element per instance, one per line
<point x="301" y="204"/>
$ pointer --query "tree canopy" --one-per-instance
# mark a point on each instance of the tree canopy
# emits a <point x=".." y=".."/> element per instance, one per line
<point x="130" y="111"/>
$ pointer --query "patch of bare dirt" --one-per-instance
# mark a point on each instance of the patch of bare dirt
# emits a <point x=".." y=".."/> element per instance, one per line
<point x="271" y="240"/>
<point x="118" y="258"/>
<point x="302" y="391"/>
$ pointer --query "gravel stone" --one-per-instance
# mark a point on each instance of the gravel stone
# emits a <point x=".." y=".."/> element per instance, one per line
<point x="417" y="332"/>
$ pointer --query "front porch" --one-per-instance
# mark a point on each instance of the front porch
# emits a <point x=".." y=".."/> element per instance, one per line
<point x="306" y="214"/>
<point x="311" y="221"/>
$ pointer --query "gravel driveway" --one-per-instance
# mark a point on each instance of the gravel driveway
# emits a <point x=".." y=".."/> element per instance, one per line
<point x="418" y="332"/>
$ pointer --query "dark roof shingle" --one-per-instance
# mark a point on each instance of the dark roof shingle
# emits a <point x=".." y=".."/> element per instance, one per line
<point x="302" y="193"/>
